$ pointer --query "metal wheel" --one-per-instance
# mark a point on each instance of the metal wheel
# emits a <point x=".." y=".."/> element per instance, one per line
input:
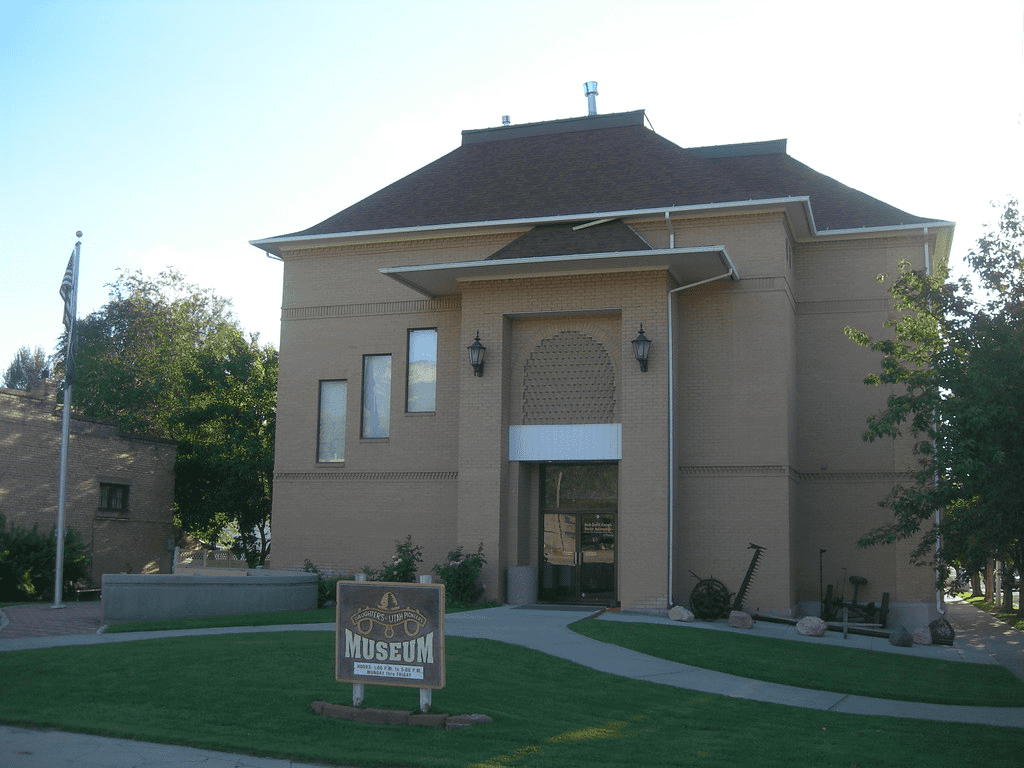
<point x="709" y="600"/>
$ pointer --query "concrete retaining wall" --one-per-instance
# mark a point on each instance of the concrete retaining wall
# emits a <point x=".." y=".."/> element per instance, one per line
<point x="144" y="597"/>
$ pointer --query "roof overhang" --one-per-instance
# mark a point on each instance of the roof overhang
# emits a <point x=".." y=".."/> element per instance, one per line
<point x="798" y="211"/>
<point x="686" y="265"/>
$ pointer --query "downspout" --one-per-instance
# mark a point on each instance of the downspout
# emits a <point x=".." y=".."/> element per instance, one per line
<point x="672" y="421"/>
<point x="939" y="605"/>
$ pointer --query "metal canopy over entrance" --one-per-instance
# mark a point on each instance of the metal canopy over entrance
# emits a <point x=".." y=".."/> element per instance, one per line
<point x="687" y="265"/>
<point x="579" y="511"/>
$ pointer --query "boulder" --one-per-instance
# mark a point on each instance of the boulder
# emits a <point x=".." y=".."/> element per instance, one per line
<point x="741" y="620"/>
<point x="679" y="613"/>
<point x="811" y="626"/>
<point x="900" y="637"/>
<point x="922" y="636"/>
<point x="942" y="632"/>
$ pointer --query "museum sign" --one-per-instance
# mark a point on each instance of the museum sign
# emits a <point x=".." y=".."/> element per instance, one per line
<point x="390" y="634"/>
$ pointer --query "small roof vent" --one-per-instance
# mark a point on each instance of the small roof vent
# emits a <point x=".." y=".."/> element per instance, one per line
<point x="590" y="89"/>
<point x="505" y="120"/>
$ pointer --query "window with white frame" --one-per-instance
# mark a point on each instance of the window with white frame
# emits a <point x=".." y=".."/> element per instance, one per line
<point x="421" y="373"/>
<point x="331" y="429"/>
<point x="376" y="396"/>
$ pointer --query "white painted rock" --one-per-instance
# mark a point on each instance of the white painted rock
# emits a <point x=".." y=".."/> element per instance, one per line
<point x="922" y="636"/>
<point x="811" y="626"/>
<point x="679" y="613"/>
<point x="741" y="620"/>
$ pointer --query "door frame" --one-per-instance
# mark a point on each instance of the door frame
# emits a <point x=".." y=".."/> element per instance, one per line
<point x="578" y="594"/>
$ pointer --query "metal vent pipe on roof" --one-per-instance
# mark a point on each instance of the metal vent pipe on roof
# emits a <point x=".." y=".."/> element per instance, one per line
<point x="590" y="88"/>
<point x="506" y="120"/>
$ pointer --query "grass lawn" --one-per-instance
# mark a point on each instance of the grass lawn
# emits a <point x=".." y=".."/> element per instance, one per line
<point x="251" y="693"/>
<point x="316" y="616"/>
<point x="821" y="667"/>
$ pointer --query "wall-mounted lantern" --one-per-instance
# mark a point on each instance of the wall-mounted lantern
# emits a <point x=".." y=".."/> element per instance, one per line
<point x="476" y="355"/>
<point x="641" y="348"/>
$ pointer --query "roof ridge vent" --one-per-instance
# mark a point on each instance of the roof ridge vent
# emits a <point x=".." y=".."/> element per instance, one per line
<point x="590" y="89"/>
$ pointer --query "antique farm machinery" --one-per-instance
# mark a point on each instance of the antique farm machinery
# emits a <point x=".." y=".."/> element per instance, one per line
<point x="710" y="599"/>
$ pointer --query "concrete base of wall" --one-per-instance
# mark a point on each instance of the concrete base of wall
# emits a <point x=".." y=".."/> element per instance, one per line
<point x="145" y="597"/>
<point x="910" y="615"/>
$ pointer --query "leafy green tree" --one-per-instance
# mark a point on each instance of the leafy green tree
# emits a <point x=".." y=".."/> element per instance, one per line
<point x="26" y="367"/>
<point x="957" y="365"/>
<point x="224" y="471"/>
<point x="134" y="353"/>
<point x="167" y="358"/>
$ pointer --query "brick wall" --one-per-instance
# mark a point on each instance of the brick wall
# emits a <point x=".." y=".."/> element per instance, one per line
<point x="134" y="540"/>
<point x="768" y="395"/>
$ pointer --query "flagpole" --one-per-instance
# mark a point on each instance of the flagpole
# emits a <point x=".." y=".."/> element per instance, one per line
<point x="72" y="305"/>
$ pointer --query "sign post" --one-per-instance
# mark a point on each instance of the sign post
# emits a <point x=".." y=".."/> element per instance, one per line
<point x="390" y="634"/>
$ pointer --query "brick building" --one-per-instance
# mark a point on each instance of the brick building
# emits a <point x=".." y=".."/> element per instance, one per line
<point x="553" y="244"/>
<point x="120" y="488"/>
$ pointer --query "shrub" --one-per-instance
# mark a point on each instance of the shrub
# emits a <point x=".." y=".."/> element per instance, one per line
<point x="326" y="586"/>
<point x="28" y="562"/>
<point x="402" y="566"/>
<point x="461" y="577"/>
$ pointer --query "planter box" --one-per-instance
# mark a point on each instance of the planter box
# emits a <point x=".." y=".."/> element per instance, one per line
<point x="145" y="597"/>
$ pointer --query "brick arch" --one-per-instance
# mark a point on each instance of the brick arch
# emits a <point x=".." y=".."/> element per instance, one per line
<point x="569" y="378"/>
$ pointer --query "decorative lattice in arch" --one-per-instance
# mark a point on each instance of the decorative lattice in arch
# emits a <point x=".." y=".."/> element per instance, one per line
<point x="569" y="378"/>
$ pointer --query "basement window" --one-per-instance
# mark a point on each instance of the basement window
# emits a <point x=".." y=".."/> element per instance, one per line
<point x="113" y="500"/>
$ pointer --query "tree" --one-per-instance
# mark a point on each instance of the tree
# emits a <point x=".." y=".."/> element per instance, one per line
<point x="224" y="471"/>
<point x="133" y="354"/>
<point x="166" y="358"/>
<point x="957" y="363"/>
<point x="27" y="367"/>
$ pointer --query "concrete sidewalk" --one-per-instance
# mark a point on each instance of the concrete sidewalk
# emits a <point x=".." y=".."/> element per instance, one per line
<point x="28" y="748"/>
<point x="980" y="639"/>
<point x="547" y="631"/>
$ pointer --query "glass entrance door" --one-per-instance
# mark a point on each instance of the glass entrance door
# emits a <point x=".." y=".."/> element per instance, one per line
<point x="578" y="505"/>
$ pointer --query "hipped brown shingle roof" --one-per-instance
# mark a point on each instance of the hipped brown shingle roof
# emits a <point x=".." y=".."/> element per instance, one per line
<point x="595" y="165"/>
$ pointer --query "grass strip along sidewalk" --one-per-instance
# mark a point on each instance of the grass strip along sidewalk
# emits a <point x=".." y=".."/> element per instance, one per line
<point x="819" y="667"/>
<point x="317" y="616"/>
<point x="251" y="693"/>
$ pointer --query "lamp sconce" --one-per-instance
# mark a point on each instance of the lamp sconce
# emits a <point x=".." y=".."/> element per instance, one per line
<point x="641" y="349"/>
<point x="476" y="356"/>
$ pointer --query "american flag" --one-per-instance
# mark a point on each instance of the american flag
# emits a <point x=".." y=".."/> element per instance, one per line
<point x="67" y="292"/>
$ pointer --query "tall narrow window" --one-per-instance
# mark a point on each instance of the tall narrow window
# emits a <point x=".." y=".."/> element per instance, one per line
<point x="421" y="388"/>
<point x="331" y="435"/>
<point x="376" y="396"/>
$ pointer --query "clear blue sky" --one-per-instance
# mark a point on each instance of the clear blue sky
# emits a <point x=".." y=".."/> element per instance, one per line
<point x="174" y="132"/>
